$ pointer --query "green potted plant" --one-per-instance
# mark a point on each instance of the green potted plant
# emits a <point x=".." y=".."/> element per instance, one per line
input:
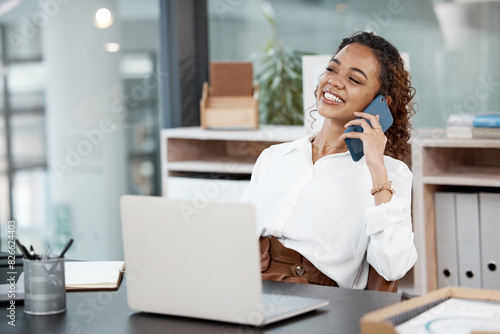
<point x="279" y="75"/>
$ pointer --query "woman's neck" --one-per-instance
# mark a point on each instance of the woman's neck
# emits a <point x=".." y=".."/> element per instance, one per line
<point x="330" y="134"/>
<point x="327" y="142"/>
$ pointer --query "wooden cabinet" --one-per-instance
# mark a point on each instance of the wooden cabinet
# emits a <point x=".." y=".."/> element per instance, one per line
<point x="215" y="164"/>
<point x="442" y="164"/>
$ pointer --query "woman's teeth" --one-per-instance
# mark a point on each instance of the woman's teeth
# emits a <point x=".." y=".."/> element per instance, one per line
<point x="333" y="98"/>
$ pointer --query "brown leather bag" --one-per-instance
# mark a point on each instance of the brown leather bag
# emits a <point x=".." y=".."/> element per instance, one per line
<point x="378" y="283"/>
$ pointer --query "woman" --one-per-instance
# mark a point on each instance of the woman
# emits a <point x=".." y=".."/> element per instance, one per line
<point x="322" y="217"/>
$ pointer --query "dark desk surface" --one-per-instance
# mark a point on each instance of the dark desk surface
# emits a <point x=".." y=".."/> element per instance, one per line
<point x="108" y="312"/>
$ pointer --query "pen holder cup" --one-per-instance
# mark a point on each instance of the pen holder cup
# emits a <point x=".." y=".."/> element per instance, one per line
<point x="44" y="286"/>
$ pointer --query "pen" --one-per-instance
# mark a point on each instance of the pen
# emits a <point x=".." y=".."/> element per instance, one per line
<point x="46" y="254"/>
<point x="33" y="253"/>
<point x="23" y="250"/>
<point x="66" y="247"/>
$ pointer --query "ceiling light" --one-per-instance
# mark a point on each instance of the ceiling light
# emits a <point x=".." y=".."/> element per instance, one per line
<point x="112" y="47"/>
<point x="103" y="18"/>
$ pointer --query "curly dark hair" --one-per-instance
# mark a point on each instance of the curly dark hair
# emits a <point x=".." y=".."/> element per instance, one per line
<point x="395" y="83"/>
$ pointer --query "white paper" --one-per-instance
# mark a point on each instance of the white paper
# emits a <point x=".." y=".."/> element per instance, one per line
<point x="94" y="272"/>
<point x="455" y="316"/>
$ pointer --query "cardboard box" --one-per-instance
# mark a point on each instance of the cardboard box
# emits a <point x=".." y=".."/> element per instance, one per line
<point x="231" y="99"/>
<point x="231" y="79"/>
<point x="383" y="321"/>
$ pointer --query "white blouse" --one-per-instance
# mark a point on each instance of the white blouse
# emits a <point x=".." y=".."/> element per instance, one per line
<point x="325" y="212"/>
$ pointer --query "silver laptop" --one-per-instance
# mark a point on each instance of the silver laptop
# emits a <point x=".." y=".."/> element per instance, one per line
<point x="199" y="259"/>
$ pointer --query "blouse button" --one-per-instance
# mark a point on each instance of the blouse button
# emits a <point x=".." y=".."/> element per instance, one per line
<point x="300" y="270"/>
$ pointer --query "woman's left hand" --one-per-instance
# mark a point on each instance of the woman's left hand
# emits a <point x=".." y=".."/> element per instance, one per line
<point x="373" y="138"/>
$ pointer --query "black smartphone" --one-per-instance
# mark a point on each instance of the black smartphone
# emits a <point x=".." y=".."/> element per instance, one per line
<point x="377" y="107"/>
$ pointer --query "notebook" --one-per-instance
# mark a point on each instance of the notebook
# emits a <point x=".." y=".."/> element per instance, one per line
<point x="93" y="275"/>
<point x="199" y="259"/>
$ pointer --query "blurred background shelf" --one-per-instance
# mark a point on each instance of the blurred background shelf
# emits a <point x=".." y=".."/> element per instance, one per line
<point x="442" y="164"/>
<point x="485" y="176"/>
<point x="215" y="163"/>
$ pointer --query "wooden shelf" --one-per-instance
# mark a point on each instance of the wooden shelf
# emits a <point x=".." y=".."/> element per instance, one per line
<point x="466" y="176"/>
<point x="221" y="166"/>
<point x="191" y="151"/>
<point x="265" y="133"/>
<point x="440" y="164"/>
<point x="437" y="138"/>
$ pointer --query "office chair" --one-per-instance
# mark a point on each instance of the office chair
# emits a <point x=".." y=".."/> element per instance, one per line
<point x="378" y="283"/>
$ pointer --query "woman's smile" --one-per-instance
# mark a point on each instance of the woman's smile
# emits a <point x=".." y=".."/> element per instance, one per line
<point x="330" y="97"/>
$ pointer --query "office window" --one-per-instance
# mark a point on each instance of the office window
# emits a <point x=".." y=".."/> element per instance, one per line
<point x="23" y="166"/>
<point x="79" y="120"/>
<point x="453" y="46"/>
